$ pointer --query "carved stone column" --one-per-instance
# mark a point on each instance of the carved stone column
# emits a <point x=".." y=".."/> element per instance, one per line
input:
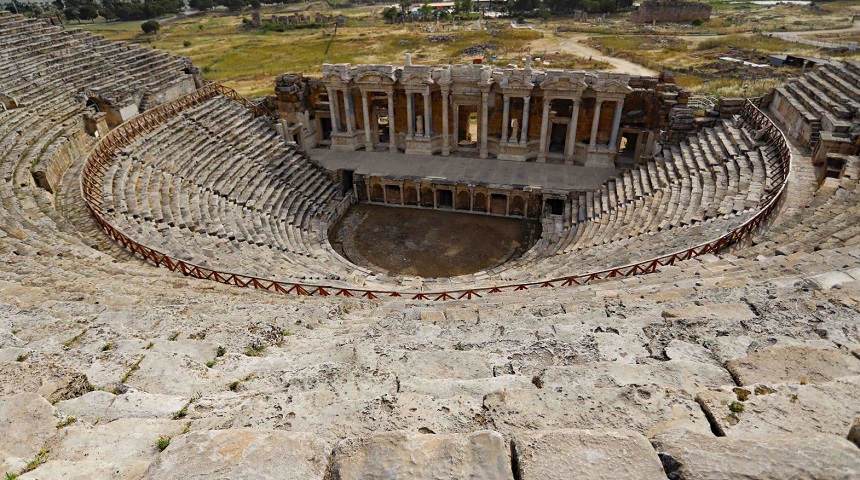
<point x="456" y="141"/>
<point x="506" y="112"/>
<point x="392" y="140"/>
<point x="594" y="124"/>
<point x="544" y="127"/>
<point x="350" y="111"/>
<point x="570" y="144"/>
<point x="484" y="113"/>
<point x="446" y="145"/>
<point x="368" y="140"/>
<point x="524" y="131"/>
<point x="616" y="124"/>
<point x="334" y="110"/>
<point x="410" y="114"/>
<point x="428" y="116"/>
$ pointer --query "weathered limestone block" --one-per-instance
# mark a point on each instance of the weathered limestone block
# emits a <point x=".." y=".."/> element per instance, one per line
<point x="48" y="380"/>
<point x="689" y="456"/>
<point x="90" y="407"/>
<point x="26" y="421"/>
<point x="793" y="363"/>
<point x="136" y="404"/>
<point x="647" y="409"/>
<point x="585" y="454"/>
<point x="827" y="280"/>
<point x="478" y="455"/>
<point x="675" y="374"/>
<point x="827" y="407"/>
<point x="120" y="449"/>
<point x="242" y="453"/>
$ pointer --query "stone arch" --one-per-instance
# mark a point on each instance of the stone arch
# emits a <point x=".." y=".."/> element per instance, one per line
<point x="7" y="102"/>
<point x="464" y="200"/>
<point x="426" y="196"/>
<point x="376" y="194"/>
<point x="518" y="206"/>
<point x="480" y="202"/>
<point x="94" y="105"/>
<point x="410" y="195"/>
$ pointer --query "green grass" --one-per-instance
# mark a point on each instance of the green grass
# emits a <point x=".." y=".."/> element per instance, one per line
<point x="162" y="443"/>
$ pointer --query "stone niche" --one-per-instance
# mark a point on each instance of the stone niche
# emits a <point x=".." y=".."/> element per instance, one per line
<point x="670" y="11"/>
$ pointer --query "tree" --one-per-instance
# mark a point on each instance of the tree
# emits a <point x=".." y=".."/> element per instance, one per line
<point x="88" y="12"/>
<point x="107" y="12"/>
<point x="150" y="26"/>
<point x="234" y="5"/>
<point x="202" y="5"/>
<point x="71" y="13"/>
<point x="404" y="5"/>
<point x="426" y="10"/>
<point x="255" y="4"/>
<point x="390" y="13"/>
<point x="462" y="6"/>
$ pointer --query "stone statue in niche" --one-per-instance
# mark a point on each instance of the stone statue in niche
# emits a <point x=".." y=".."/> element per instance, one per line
<point x="419" y="125"/>
<point x="515" y="130"/>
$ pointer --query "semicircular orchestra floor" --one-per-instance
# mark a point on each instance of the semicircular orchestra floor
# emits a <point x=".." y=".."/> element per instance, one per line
<point x="429" y="243"/>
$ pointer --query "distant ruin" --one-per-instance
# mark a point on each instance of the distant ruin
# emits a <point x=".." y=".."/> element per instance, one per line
<point x="670" y="11"/>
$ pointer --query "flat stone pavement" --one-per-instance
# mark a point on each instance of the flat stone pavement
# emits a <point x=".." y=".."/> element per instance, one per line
<point x="465" y="170"/>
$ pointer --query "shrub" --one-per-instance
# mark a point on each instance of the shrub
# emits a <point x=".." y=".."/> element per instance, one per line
<point x="186" y="43"/>
<point x="697" y="22"/>
<point x="150" y="26"/>
<point x="736" y="407"/>
<point x="162" y="443"/>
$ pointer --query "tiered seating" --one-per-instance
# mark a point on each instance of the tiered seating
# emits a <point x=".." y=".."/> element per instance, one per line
<point x="692" y="193"/>
<point x="717" y="174"/>
<point x="44" y="69"/>
<point x="216" y="187"/>
<point x="825" y="99"/>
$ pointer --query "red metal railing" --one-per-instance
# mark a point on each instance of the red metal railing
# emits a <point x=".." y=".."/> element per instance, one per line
<point x="100" y="159"/>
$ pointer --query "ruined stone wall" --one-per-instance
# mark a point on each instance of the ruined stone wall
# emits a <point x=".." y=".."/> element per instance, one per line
<point x="670" y="11"/>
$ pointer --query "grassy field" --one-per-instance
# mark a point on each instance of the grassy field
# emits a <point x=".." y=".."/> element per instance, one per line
<point x="248" y="60"/>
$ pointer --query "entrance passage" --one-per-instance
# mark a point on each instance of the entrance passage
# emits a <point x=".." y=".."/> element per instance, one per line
<point x="429" y="243"/>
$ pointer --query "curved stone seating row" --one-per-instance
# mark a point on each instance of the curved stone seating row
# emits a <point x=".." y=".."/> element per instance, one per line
<point x="693" y="192"/>
<point x="220" y="189"/>
<point x="40" y="61"/>
<point x="825" y="99"/>
<point x="43" y="71"/>
<point x="828" y="222"/>
<point x="716" y="174"/>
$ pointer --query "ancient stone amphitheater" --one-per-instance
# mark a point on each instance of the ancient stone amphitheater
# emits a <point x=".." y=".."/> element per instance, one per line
<point x="172" y="307"/>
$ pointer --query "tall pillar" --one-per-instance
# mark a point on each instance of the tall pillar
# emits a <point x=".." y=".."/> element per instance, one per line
<point x="349" y="110"/>
<point x="410" y="114"/>
<point x="446" y="146"/>
<point x="544" y="127"/>
<point x="506" y="113"/>
<point x="616" y="124"/>
<point x="484" y="114"/>
<point x="334" y="109"/>
<point x="456" y="141"/>
<point x="594" y="124"/>
<point x="428" y="116"/>
<point x="392" y="141"/>
<point x="524" y="130"/>
<point x="570" y="144"/>
<point x="368" y="140"/>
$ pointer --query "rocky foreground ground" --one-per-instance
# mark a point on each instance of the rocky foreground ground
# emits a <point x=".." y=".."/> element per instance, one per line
<point x="695" y="372"/>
